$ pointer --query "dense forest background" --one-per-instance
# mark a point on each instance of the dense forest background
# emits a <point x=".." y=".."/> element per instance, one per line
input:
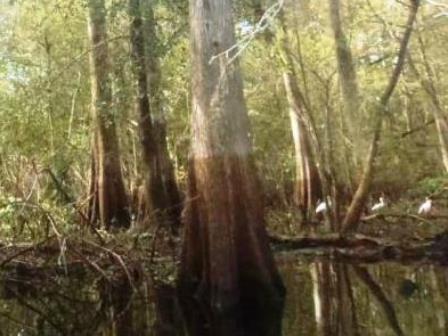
<point x="46" y="124"/>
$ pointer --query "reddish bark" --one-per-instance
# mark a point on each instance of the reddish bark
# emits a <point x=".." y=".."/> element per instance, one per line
<point x="308" y="186"/>
<point x="162" y="201"/>
<point x="107" y="186"/>
<point x="227" y="270"/>
<point x="226" y="260"/>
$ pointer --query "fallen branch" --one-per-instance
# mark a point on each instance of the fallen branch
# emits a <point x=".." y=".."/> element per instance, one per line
<point x="418" y="128"/>
<point x="24" y="251"/>
<point x="118" y="258"/>
<point x="330" y="240"/>
<point x="90" y="263"/>
<point x="367" y="249"/>
<point x="403" y="215"/>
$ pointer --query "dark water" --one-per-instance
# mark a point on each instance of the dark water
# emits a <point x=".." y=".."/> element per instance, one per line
<point x="323" y="298"/>
<point x="383" y="299"/>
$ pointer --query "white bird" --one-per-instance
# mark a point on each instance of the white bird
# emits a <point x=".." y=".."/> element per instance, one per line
<point x="381" y="204"/>
<point x="322" y="206"/>
<point x="425" y="208"/>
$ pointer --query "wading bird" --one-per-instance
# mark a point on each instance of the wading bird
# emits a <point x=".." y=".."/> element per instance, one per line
<point x="381" y="204"/>
<point x="322" y="206"/>
<point x="425" y="208"/>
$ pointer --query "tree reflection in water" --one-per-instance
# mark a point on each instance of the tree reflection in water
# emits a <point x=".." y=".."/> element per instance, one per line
<point x="37" y="303"/>
<point x="324" y="298"/>
<point x="255" y="316"/>
<point x="334" y="306"/>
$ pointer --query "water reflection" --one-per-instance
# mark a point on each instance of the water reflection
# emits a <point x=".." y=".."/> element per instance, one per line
<point x="257" y="316"/>
<point x="323" y="298"/>
<point x="334" y="306"/>
<point x="116" y="303"/>
<point x="440" y="283"/>
<point x="335" y="298"/>
<point x="151" y="309"/>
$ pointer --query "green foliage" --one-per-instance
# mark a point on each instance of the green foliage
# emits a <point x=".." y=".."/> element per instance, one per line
<point x="45" y="96"/>
<point x="23" y="219"/>
<point x="433" y="185"/>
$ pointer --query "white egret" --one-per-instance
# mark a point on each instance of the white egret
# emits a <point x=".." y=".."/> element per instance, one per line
<point x="378" y="206"/>
<point x="425" y="208"/>
<point x="322" y="206"/>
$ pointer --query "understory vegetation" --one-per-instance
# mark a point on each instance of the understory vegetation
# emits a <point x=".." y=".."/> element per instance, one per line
<point x="46" y="124"/>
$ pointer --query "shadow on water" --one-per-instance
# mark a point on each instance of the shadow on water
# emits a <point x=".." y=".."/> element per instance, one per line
<point x="323" y="298"/>
<point x="257" y="316"/>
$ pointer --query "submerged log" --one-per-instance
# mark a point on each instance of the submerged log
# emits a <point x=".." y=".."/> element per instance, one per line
<point x="362" y="248"/>
<point x="329" y="240"/>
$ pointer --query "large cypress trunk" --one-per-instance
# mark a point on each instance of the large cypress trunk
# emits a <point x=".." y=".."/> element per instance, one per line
<point x="107" y="189"/>
<point x="226" y="259"/>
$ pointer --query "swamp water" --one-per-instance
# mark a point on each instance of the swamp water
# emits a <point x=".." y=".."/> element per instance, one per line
<point x="323" y="298"/>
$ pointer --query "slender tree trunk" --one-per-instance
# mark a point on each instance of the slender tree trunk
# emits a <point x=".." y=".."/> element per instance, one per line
<point x="439" y="113"/>
<point x="328" y="154"/>
<point x="152" y="48"/>
<point x="323" y="180"/>
<point x="441" y="119"/>
<point x="307" y="187"/>
<point x="226" y="261"/>
<point x="407" y="112"/>
<point x="346" y="67"/>
<point x="156" y="199"/>
<point x="351" y="219"/>
<point x="311" y="180"/>
<point x="107" y="181"/>
<point x="93" y="209"/>
<point x="350" y="92"/>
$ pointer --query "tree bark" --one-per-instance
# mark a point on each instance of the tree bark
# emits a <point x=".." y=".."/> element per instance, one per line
<point x="439" y="113"/>
<point x="346" y="67"/>
<point x="226" y="261"/>
<point x="314" y="175"/>
<point x="310" y="181"/>
<point x="153" y="54"/>
<point x="351" y="219"/>
<point x="107" y="185"/>
<point x="441" y="119"/>
<point x="157" y="199"/>
<point x="350" y="89"/>
<point x="307" y="187"/>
